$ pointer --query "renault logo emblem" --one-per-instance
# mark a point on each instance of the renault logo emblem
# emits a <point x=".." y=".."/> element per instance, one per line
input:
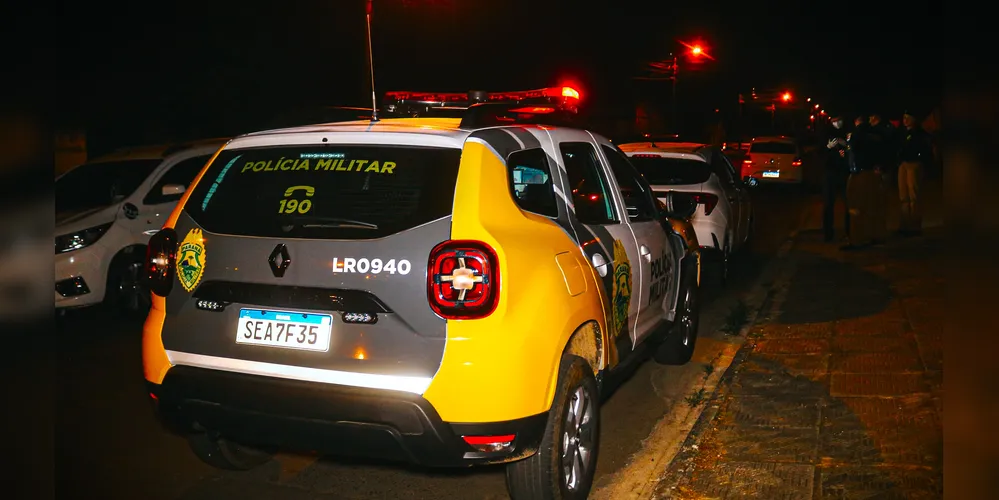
<point x="279" y="260"/>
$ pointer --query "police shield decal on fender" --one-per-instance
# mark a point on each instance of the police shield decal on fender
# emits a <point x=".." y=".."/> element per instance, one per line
<point x="622" y="289"/>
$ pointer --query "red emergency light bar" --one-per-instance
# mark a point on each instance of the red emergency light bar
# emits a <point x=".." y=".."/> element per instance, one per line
<point x="442" y="97"/>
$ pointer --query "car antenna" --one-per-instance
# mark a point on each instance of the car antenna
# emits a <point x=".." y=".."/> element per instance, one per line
<point x="371" y="64"/>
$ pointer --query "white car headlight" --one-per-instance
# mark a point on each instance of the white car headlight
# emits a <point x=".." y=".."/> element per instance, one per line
<point x="80" y="239"/>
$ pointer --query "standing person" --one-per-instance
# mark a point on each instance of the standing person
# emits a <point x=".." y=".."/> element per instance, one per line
<point x="837" y="170"/>
<point x="886" y="148"/>
<point x="915" y="152"/>
<point x="864" y="190"/>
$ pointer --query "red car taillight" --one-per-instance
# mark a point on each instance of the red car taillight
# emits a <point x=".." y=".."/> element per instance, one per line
<point x="709" y="201"/>
<point x="796" y="162"/>
<point x="463" y="280"/>
<point x="161" y="254"/>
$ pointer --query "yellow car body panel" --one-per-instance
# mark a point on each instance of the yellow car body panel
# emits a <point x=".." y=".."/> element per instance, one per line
<point x="155" y="363"/>
<point x="505" y="366"/>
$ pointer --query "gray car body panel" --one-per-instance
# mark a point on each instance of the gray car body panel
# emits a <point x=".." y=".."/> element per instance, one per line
<point x="408" y="341"/>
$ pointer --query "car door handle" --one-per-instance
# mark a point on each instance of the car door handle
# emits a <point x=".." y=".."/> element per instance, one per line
<point x="644" y="252"/>
<point x="600" y="263"/>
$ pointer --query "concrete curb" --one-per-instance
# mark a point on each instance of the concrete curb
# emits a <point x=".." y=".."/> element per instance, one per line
<point x="674" y="475"/>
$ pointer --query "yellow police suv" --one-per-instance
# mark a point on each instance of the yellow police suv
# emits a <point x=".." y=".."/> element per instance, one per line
<point x="451" y="289"/>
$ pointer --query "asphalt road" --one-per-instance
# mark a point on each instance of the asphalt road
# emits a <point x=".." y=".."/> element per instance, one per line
<point x="106" y="443"/>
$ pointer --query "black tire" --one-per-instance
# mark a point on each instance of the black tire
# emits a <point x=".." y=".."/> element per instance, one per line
<point x="679" y="345"/>
<point x="542" y="476"/>
<point x="126" y="291"/>
<point x="224" y="454"/>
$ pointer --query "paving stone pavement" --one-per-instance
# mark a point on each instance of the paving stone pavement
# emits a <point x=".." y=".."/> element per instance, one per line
<point x="839" y="393"/>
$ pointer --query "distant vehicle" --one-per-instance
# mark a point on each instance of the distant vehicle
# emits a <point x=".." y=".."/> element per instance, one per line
<point x="774" y="160"/>
<point x="447" y="291"/>
<point x="106" y="210"/>
<point x="724" y="220"/>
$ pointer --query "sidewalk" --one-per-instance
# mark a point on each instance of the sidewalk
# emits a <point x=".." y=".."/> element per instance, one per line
<point x="838" y="391"/>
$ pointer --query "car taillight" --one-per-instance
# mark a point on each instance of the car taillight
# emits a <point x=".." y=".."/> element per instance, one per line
<point x="463" y="280"/>
<point x="747" y="161"/>
<point x="796" y="162"/>
<point x="709" y="201"/>
<point x="161" y="254"/>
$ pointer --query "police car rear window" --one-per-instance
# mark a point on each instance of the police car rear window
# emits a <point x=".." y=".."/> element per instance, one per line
<point x="326" y="192"/>
<point x="659" y="170"/>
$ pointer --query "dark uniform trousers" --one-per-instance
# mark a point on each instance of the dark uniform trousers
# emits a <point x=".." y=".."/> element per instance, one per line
<point x="866" y="203"/>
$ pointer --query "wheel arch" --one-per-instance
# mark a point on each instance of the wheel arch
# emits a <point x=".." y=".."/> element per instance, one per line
<point x="126" y="254"/>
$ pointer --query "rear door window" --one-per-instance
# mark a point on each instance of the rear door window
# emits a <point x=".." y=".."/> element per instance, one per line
<point x="590" y="189"/>
<point x="325" y="192"/>
<point x="773" y="148"/>
<point x="637" y="198"/>
<point x="660" y="170"/>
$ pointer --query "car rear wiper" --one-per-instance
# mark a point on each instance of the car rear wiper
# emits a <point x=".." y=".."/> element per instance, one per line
<point x="328" y="222"/>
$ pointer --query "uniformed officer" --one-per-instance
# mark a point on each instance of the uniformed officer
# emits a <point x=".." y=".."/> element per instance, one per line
<point x="837" y="170"/>
<point x="915" y="153"/>
<point x="864" y="189"/>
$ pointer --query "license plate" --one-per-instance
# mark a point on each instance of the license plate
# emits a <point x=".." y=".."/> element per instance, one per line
<point x="289" y="330"/>
<point x="771" y="173"/>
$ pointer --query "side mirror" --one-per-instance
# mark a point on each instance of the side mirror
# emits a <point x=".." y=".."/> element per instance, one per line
<point x="678" y="205"/>
<point x="751" y="181"/>
<point x="173" y="189"/>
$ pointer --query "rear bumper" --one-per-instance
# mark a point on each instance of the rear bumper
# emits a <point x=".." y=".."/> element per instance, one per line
<point x="325" y="418"/>
<point x="791" y="175"/>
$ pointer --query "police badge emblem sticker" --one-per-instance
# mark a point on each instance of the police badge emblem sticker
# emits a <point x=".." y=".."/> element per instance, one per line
<point x="191" y="259"/>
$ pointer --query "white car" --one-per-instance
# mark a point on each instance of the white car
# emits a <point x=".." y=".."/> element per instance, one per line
<point x="773" y="160"/>
<point x="724" y="218"/>
<point x="106" y="210"/>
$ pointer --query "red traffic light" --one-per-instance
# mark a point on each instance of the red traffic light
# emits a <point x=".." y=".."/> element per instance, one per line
<point x="786" y="96"/>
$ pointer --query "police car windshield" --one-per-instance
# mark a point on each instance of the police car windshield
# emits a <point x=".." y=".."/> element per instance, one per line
<point x="325" y="192"/>
<point x="659" y="170"/>
<point x="95" y="185"/>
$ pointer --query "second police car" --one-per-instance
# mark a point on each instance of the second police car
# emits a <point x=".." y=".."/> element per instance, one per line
<point x="448" y="291"/>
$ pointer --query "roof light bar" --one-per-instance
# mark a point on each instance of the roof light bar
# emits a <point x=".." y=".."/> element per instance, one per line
<point x="564" y="96"/>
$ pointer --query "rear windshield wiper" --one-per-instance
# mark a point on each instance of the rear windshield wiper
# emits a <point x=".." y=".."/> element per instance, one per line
<point x="328" y="222"/>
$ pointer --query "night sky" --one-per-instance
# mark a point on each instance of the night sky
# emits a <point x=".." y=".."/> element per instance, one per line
<point x="135" y="72"/>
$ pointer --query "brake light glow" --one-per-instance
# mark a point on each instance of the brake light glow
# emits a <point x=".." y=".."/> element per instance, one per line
<point x="709" y="201"/>
<point x="645" y="155"/>
<point x="161" y="254"/>
<point x="796" y="162"/>
<point x="463" y="279"/>
<point x="747" y="161"/>
<point x="570" y="92"/>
